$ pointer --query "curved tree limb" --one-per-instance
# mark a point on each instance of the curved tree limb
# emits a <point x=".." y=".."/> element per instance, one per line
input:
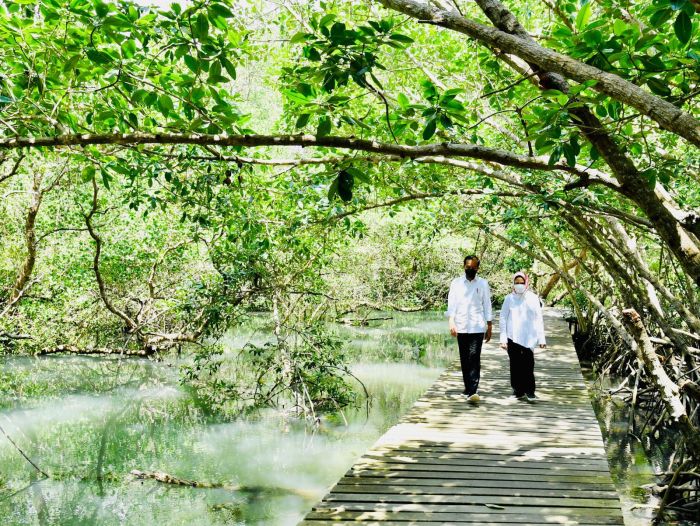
<point x="663" y="112"/>
<point x="130" y="324"/>
<point x="446" y="149"/>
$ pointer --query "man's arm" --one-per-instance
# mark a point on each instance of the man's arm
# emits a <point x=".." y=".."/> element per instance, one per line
<point x="539" y="323"/>
<point x="451" y="308"/>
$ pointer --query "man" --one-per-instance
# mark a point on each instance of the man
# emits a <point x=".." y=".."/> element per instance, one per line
<point x="470" y="320"/>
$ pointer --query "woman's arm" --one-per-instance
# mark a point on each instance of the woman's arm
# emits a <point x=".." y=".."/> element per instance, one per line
<point x="504" y="320"/>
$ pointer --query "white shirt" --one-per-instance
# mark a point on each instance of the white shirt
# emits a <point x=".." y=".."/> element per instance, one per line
<point x="470" y="304"/>
<point x="521" y="320"/>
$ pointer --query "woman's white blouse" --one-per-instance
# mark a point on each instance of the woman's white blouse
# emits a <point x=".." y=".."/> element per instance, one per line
<point x="521" y="320"/>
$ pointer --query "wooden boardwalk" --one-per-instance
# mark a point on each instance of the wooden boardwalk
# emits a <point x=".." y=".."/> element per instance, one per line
<point x="504" y="461"/>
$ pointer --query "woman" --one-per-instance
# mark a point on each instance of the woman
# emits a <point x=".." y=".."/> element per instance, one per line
<point x="522" y="329"/>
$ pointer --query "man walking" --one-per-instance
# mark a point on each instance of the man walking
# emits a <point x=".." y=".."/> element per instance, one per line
<point x="470" y="320"/>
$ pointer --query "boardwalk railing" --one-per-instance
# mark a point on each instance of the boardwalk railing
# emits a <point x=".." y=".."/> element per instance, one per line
<point x="503" y="461"/>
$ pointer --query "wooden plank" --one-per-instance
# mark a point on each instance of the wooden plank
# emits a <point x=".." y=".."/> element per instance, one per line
<point x="496" y="456"/>
<point x="464" y="499"/>
<point x="456" y="484"/>
<point x="502" y="461"/>
<point x="323" y="522"/>
<point x="479" y="467"/>
<point x="462" y="508"/>
<point x="477" y="475"/>
<point x="527" y="490"/>
<point x="471" y="514"/>
<point x="349" y="519"/>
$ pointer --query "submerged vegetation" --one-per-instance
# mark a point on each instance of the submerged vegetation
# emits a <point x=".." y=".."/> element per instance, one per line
<point x="166" y="171"/>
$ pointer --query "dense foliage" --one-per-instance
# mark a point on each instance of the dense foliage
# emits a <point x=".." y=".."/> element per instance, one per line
<point x="166" y="170"/>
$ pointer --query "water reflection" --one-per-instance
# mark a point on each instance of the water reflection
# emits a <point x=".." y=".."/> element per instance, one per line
<point x="90" y="421"/>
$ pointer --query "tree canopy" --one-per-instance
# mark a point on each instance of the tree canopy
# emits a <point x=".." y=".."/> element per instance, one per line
<point x="167" y="168"/>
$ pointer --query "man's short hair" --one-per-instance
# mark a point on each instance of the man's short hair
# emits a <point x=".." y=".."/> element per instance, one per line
<point x="478" y="262"/>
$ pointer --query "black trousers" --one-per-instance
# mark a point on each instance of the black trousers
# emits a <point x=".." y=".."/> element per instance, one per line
<point x="522" y="369"/>
<point x="470" y="358"/>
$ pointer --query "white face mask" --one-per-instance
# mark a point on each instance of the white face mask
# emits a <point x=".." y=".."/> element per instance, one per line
<point x="519" y="288"/>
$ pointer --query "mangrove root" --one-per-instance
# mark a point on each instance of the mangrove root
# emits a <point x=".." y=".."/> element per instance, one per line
<point x="666" y="388"/>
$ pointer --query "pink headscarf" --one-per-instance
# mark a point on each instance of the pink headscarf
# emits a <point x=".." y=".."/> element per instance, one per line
<point x="522" y="275"/>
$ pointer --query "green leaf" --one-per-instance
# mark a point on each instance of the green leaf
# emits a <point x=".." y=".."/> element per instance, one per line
<point x="165" y="104"/>
<point x="215" y="73"/>
<point x="346" y="181"/>
<point x="650" y="176"/>
<point x="98" y="57"/>
<point x="660" y="17"/>
<point x="202" y="27"/>
<point x="228" y="66"/>
<point x="570" y="154"/>
<point x="659" y="87"/>
<point x="683" y="26"/>
<point x="327" y="19"/>
<point x="404" y="39"/>
<point x="106" y="178"/>
<point x="403" y="100"/>
<point x="429" y="130"/>
<point x="302" y="120"/>
<point x="191" y="63"/>
<point x="555" y="155"/>
<point x="333" y="189"/>
<point x="358" y="175"/>
<point x="220" y="10"/>
<point x="593" y="38"/>
<point x="619" y="27"/>
<point x="338" y="32"/>
<point x="324" y="126"/>
<point x="88" y="173"/>
<point x="583" y="16"/>
<point x="128" y="48"/>
<point x="295" y="96"/>
<point x="299" y="37"/>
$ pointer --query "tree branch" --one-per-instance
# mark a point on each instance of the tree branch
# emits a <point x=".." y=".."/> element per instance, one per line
<point x="666" y="114"/>
<point x="445" y="149"/>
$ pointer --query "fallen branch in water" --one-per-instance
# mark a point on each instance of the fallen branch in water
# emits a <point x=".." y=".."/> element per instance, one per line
<point x="165" y="478"/>
<point x="74" y="349"/>
<point x="362" y="321"/>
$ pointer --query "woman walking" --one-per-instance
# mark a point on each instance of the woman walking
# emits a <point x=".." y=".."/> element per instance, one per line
<point x="522" y="329"/>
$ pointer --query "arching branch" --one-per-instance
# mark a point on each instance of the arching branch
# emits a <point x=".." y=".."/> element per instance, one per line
<point x="446" y="149"/>
<point x="663" y="112"/>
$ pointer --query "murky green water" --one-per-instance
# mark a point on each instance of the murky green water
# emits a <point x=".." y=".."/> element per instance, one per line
<point x="89" y="422"/>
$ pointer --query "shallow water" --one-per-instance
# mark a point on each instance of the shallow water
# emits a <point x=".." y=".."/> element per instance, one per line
<point x="89" y="421"/>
